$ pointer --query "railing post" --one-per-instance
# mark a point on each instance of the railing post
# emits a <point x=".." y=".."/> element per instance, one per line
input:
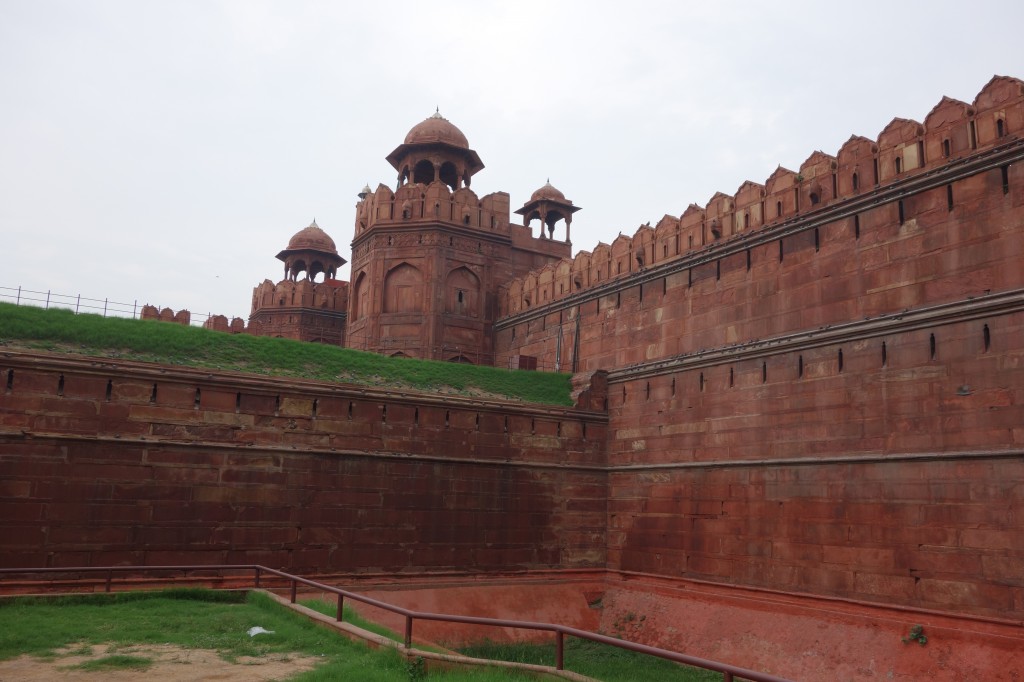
<point x="341" y="606"/>
<point x="257" y="581"/>
<point x="408" y="632"/>
<point x="110" y="576"/>
<point x="17" y="301"/>
<point x="295" y="586"/>
<point x="78" y="303"/>
<point x="47" y="307"/>
<point x="559" y="650"/>
<point x="104" y="307"/>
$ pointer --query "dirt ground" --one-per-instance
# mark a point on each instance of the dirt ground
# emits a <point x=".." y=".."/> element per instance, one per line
<point x="170" y="663"/>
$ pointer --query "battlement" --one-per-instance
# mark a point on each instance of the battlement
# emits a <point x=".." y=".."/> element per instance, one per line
<point x="417" y="202"/>
<point x="904" y="149"/>
<point x="151" y="312"/>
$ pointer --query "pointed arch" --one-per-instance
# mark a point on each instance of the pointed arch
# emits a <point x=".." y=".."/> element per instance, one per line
<point x="403" y="289"/>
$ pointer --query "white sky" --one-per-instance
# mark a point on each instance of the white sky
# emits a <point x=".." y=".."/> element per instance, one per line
<point x="164" y="152"/>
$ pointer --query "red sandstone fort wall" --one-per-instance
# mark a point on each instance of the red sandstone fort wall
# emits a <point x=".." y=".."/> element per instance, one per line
<point x="133" y="464"/>
<point x="895" y="482"/>
<point x="827" y="400"/>
<point x="904" y="151"/>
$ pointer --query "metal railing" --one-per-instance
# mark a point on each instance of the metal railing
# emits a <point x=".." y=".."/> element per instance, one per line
<point x="83" y="304"/>
<point x="729" y="672"/>
<point x="76" y="302"/>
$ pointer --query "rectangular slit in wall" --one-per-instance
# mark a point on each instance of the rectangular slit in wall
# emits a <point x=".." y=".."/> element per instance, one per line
<point x="238" y="402"/>
<point x="110" y="390"/>
<point x="1005" y="173"/>
<point x="60" y="385"/>
<point x="152" y="395"/>
<point x="901" y="212"/>
<point x="197" y="400"/>
<point x="10" y="380"/>
<point x="856" y="227"/>
<point x="949" y="197"/>
<point x="817" y="240"/>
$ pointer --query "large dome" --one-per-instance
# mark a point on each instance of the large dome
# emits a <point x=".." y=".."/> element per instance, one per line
<point x="548" y="191"/>
<point x="312" y="238"/>
<point x="437" y="129"/>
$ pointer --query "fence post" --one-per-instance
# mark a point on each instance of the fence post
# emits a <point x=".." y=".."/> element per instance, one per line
<point x="47" y="300"/>
<point x="559" y="650"/>
<point x="104" y="307"/>
<point x="110" y="576"/>
<point x="17" y="301"/>
<point x="408" y="632"/>
<point x="257" y="581"/>
<point x="295" y="586"/>
<point x="341" y="606"/>
<point x="78" y="302"/>
<point x="135" y="305"/>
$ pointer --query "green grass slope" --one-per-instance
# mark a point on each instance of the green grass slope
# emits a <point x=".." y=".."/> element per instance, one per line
<point x="62" y="331"/>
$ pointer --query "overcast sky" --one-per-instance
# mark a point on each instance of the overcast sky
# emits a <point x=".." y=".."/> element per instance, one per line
<point x="164" y="152"/>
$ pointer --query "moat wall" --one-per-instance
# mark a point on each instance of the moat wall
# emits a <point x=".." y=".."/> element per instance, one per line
<point x="828" y="401"/>
<point x="122" y="463"/>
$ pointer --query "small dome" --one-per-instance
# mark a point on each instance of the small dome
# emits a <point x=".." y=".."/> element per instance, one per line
<point x="437" y="129"/>
<point x="312" y="238"/>
<point x="548" y="191"/>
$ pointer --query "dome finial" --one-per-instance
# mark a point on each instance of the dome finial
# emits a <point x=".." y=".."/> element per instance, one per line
<point x="437" y="113"/>
<point x="313" y="224"/>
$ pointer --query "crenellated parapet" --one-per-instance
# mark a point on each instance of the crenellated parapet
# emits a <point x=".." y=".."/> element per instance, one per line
<point x="151" y="312"/>
<point x="905" y="148"/>
<point x="330" y="295"/>
<point x="416" y="203"/>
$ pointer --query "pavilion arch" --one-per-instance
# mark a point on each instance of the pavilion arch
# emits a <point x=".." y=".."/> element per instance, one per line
<point x="462" y="292"/>
<point x="449" y="175"/>
<point x="403" y="289"/>
<point x="423" y="172"/>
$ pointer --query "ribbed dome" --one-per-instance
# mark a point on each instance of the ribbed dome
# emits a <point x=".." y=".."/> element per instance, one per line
<point x="312" y="238"/>
<point x="437" y="129"/>
<point x="548" y="191"/>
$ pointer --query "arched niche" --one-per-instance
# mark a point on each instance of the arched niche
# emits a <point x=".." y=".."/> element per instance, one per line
<point x="403" y="290"/>
<point x="462" y="292"/>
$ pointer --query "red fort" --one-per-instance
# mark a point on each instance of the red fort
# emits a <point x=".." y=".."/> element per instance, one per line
<point x="800" y="408"/>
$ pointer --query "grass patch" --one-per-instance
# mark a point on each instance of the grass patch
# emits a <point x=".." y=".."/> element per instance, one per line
<point x="600" y="661"/>
<point x="63" y="331"/>
<point x="201" y="619"/>
<point x="115" y="662"/>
